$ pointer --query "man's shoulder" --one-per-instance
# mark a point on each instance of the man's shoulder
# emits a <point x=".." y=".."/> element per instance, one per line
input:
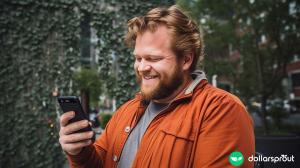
<point x="217" y="102"/>
<point x="214" y="94"/>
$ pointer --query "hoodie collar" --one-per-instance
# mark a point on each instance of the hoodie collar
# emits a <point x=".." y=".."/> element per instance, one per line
<point x="197" y="76"/>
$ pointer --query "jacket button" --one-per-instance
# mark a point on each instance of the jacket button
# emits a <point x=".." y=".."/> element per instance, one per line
<point x="127" y="129"/>
<point x="115" y="158"/>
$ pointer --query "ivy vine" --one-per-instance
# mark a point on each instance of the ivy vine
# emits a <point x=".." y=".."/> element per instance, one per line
<point x="40" y="48"/>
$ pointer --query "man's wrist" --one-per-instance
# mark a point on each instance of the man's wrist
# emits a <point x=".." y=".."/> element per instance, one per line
<point x="79" y="156"/>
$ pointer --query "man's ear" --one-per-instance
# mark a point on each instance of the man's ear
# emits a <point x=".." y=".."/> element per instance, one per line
<point x="188" y="60"/>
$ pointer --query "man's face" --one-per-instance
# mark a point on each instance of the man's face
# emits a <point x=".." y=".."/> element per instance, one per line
<point x="157" y="69"/>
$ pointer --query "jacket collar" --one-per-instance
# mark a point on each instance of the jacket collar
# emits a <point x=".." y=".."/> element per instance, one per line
<point x="197" y="76"/>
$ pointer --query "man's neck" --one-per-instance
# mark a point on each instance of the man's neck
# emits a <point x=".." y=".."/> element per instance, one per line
<point x="177" y="92"/>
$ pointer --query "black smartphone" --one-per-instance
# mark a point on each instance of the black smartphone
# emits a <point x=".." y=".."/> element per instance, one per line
<point x="72" y="103"/>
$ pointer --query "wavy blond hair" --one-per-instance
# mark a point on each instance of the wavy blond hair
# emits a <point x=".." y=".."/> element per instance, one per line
<point x="186" y="35"/>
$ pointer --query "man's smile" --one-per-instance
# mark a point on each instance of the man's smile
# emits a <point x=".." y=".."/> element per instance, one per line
<point x="148" y="77"/>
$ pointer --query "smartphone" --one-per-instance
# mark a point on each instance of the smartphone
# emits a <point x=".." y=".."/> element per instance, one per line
<point x="72" y="103"/>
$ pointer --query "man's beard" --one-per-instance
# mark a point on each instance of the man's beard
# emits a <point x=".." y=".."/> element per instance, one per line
<point x="165" y="87"/>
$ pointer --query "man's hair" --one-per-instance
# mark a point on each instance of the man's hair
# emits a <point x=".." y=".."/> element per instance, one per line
<point x="185" y="34"/>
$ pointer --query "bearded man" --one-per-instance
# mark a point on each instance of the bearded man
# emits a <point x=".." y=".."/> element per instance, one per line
<point x="177" y="119"/>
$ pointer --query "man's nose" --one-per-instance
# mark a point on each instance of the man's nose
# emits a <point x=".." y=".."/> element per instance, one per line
<point x="143" y="66"/>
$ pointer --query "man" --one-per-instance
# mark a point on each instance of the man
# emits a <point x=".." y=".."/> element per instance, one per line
<point x="178" y="119"/>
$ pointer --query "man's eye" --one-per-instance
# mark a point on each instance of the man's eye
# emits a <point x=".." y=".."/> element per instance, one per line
<point x="156" y="59"/>
<point x="138" y="59"/>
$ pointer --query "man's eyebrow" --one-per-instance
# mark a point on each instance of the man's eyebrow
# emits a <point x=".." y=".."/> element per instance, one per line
<point x="150" y="55"/>
<point x="154" y="56"/>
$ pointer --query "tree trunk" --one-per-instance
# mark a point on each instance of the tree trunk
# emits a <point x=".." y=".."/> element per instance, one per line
<point x="263" y="111"/>
<point x="84" y="94"/>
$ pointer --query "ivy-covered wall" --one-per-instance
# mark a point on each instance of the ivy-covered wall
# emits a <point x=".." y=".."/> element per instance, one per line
<point x="38" y="53"/>
<point x="39" y="47"/>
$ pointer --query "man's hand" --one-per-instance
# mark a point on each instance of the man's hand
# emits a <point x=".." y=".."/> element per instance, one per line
<point x="71" y="142"/>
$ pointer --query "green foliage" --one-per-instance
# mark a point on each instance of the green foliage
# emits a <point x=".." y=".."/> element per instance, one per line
<point x="105" y="117"/>
<point x="241" y="26"/>
<point x="265" y="33"/>
<point x="88" y="79"/>
<point x="39" y="51"/>
<point x="278" y="113"/>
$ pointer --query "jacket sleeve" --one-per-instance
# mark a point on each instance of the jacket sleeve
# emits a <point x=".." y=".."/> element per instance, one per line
<point x="93" y="156"/>
<point x="226" y="127"/>
<point x="89" y="157"/>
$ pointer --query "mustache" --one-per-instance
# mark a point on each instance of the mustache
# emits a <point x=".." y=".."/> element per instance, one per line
<point x="139" y="77"/>
<point x="141" y="74"/>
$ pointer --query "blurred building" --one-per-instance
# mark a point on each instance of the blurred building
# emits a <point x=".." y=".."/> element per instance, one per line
<point x="293" y="87"/>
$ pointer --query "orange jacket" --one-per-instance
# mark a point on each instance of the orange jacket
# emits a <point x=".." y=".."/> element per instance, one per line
<point x="200" y="128"/>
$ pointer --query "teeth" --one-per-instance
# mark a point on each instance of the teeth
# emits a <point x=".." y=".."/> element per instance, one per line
<point x="149" y="77"/>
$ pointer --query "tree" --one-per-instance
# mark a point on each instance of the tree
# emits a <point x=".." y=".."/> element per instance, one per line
<point x="265" y="33"/>
<point x="90" y="86"/>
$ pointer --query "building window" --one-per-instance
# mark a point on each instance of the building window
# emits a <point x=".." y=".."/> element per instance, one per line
<point x="295" y="79"/>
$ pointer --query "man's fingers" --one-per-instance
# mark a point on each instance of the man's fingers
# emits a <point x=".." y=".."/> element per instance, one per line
<point x="64" y="119"/>
<point x="73" y="138"/>
<point x="72" y="142"/>
<point x="73" y="127"/>
<point x="76" y="146"/>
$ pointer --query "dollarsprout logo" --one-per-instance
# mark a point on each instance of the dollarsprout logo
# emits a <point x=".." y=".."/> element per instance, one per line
<point x="236" y="158"/>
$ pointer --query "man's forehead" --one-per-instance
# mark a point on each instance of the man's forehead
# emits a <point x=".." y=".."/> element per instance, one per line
<point x="147" y="51"/>
<point x="153" y="43"/>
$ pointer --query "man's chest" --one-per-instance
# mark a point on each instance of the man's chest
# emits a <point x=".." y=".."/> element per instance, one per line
<point x="169" y="136"/>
